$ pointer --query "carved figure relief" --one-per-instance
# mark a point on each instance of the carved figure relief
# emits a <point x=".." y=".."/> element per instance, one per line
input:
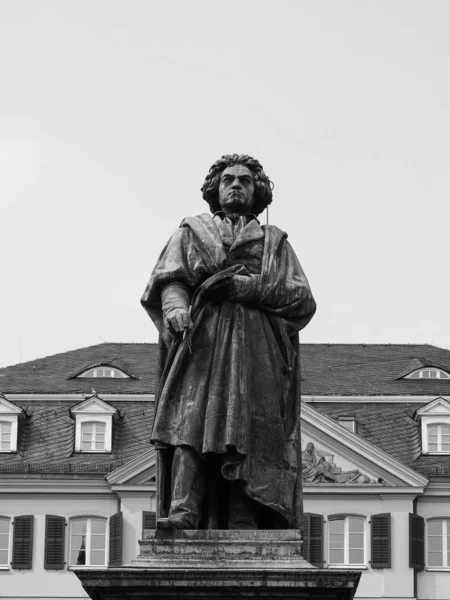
<point x="318" y="467"/>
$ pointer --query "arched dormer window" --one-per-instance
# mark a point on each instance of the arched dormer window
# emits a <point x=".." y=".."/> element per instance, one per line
<point x="428" y="373"/>
<point x="104" y="371"/>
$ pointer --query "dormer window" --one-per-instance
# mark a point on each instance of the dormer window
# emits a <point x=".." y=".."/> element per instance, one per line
<point x="428" y="373"/>
<point x="439" y="438"/>
<point x="435" y="426"/>
<point x="104" y="371"/>
<point x="9" y="416"/>
<point x="5" y="436"/>
<point x="93" y="436"/>
<point x="93" y="425"/>
<point x="348" y="423"/>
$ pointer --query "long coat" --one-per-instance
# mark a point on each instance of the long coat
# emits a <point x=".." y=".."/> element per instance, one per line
<point x="232" y="385"/>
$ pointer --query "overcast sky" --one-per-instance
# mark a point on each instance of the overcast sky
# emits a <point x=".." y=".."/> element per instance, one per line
<point x="112" y="111"/>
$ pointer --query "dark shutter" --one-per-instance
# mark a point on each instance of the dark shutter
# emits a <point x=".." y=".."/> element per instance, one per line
<point x="313" y="539"/>
<point x="148" y="520"/>
<point x="55" y="531"/>
<point x="416" y="542"/>
<point x="381" y="541"/>
<point x="115" y="540"/>
<point x="23" y="542"/>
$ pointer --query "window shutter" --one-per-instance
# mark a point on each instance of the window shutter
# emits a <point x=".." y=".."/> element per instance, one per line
<point x="381" y="541"/>
<point x="313" y="539"/>
<point x="55" y="531"/>
<point x="23" y="542"/>
<point x="115" y="540"/>
<point x="148" y="520"/>
<point x="416" y="542"/>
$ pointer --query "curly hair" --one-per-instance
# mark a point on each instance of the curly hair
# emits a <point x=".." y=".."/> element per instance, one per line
<point x="263" y="185"/>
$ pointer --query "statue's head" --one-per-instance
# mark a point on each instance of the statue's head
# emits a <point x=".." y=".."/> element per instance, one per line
<point x="237" y="183"/>
<point x="309" y="447"/>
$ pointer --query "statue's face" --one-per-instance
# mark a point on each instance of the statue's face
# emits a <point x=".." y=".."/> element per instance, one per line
<point x="236" y="190"/>
<point x="309" y="447"/>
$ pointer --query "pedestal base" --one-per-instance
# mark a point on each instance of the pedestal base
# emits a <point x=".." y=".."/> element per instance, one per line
<point x="219" y="564"/>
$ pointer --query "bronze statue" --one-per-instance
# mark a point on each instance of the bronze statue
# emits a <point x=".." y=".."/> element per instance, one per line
<point x="228" y="297"/>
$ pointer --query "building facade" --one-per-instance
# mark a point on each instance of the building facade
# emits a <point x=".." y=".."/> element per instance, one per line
<point x="77" y="473"/>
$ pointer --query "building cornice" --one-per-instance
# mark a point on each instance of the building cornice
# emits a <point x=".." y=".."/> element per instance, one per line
<point x="332" y="490"/>
<point x="79" y="397"/>
<point x="123" y="490"/>
<point x="54" y="486"/>
<point x="372" y="399"/>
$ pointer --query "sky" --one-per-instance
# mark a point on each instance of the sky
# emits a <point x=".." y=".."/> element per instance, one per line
<point x="112" y="112"/>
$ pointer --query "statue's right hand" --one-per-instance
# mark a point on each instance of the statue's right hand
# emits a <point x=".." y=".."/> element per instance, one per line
<point x="177" y="320"/>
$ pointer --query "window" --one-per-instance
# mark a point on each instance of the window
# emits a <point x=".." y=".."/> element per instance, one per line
<point x="438" y="437"/>
<point x="438" y="543"/>
<point x="104" y="371"/>
<point x="346" y="540"/>
<point x="5" y="541"/>
<point x="348" y="423"/>
<point x="9" y="416"/>
<point x="5" y="436"/>
<point x="93" y="425"/>
<point x="88" y="542"/>
<point x="428" y="373"/>
<point x="93" y="437"/>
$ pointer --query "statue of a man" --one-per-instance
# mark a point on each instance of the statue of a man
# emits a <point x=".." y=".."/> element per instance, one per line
<point x="228" y="297"/>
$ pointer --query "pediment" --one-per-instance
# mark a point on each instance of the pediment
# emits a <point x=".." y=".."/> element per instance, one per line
<point x="93" y="405"/>
<point x="437" y="407"/>
<point x="139" y="471"/>
<point x="347" y="459"/>
<point x="8" y="408"/>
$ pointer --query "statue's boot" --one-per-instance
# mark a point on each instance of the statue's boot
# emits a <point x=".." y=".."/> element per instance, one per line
<point x="188" y="488"/>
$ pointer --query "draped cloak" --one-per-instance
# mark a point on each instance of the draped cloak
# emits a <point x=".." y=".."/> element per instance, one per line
<point x="231" y="386"/>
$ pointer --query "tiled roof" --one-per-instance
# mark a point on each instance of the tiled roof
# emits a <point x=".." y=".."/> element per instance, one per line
<point x="57" y="374"/>
<point x="46" y="439"/>
<point x="387" y="426"/>
<point x="327" y="369"/>
<point x="115" y="361"/>
<point x="418" y="363"/>
<point x="46" y="434"/>
<point x="369" y="369"/>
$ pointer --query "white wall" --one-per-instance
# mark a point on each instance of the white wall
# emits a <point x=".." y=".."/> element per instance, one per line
<point x="433" y="585"/>
<point x="39" y="582"/>
<point x="132" y="506"/>
<point x="396" y="582"/>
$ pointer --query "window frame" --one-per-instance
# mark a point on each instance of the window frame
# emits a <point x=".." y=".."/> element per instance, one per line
<point x="94" y="370"/>
<point x="93" y="410"/>
<point x="12" y="420"/>
<point x="89" y="519"/>
<point x="94" y="436"/>
<point x="82" y="420"/>
<point x="7" y="566"/>
<point x="428" y="420"/>
<point x="348" y="420"/>
<point x="4" y="422"/>
<point x="439" y="441"/>
<point x="445" y="544"/>
<point x="366" y="540"/>
<point x="423" y="370"/>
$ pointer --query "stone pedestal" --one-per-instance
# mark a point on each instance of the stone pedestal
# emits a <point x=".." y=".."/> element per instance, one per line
<point x="219" y="564"/>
